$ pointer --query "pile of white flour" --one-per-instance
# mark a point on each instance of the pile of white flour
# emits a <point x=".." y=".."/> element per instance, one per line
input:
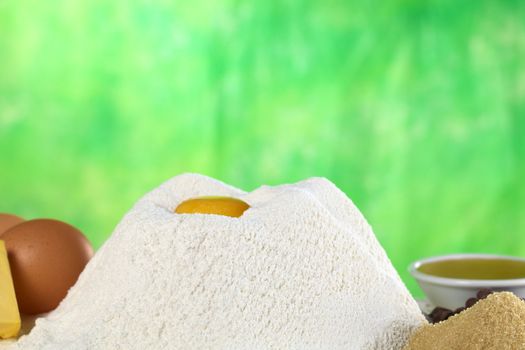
<point x="301" y="269"/>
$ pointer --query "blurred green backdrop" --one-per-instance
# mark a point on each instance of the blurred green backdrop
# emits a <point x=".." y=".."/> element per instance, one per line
<point x="416" y="109"/>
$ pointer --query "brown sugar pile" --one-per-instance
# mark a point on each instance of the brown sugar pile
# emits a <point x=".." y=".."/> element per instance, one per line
<point x="497" y="322"/>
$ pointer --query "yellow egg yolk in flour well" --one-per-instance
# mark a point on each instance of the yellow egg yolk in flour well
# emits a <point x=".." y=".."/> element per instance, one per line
<point x="217" y="205"/>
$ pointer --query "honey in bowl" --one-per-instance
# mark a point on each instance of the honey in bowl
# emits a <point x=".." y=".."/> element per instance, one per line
<point x="475" y="268"/>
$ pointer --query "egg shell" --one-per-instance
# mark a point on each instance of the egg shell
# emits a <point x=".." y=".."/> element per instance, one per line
<point x="7" y="221"/>
<point x="46" y="257"/>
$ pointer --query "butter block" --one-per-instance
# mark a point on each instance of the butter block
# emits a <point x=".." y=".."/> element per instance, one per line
<point x="9" y="314"/>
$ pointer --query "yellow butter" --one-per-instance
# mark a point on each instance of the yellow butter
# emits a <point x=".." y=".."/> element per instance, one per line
<point x="9" y="314"/>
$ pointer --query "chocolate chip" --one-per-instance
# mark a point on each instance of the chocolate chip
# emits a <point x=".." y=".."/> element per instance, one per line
<point x="470" y="302"/>
<point x="447" y="315"/>
<point x="483" y="293"/>
<point x="438" y="310"/>
<point x="459" y="309"/>
<point x="440" y="314"/>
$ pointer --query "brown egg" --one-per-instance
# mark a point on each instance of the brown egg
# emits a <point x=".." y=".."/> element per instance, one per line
<point x="7" y="221"/>
<point x="46" y="257"/>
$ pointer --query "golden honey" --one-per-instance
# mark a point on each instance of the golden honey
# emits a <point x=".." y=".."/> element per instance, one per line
<point x="475" y="268"/>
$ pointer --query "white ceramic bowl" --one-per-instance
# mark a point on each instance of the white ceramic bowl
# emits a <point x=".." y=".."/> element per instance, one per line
<point x="452" y="293"/>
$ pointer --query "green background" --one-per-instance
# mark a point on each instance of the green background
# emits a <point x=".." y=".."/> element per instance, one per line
<point x="416" y="109"/>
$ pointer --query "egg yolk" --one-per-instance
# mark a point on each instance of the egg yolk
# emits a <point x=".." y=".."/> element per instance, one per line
<point x="227" y="206"/>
